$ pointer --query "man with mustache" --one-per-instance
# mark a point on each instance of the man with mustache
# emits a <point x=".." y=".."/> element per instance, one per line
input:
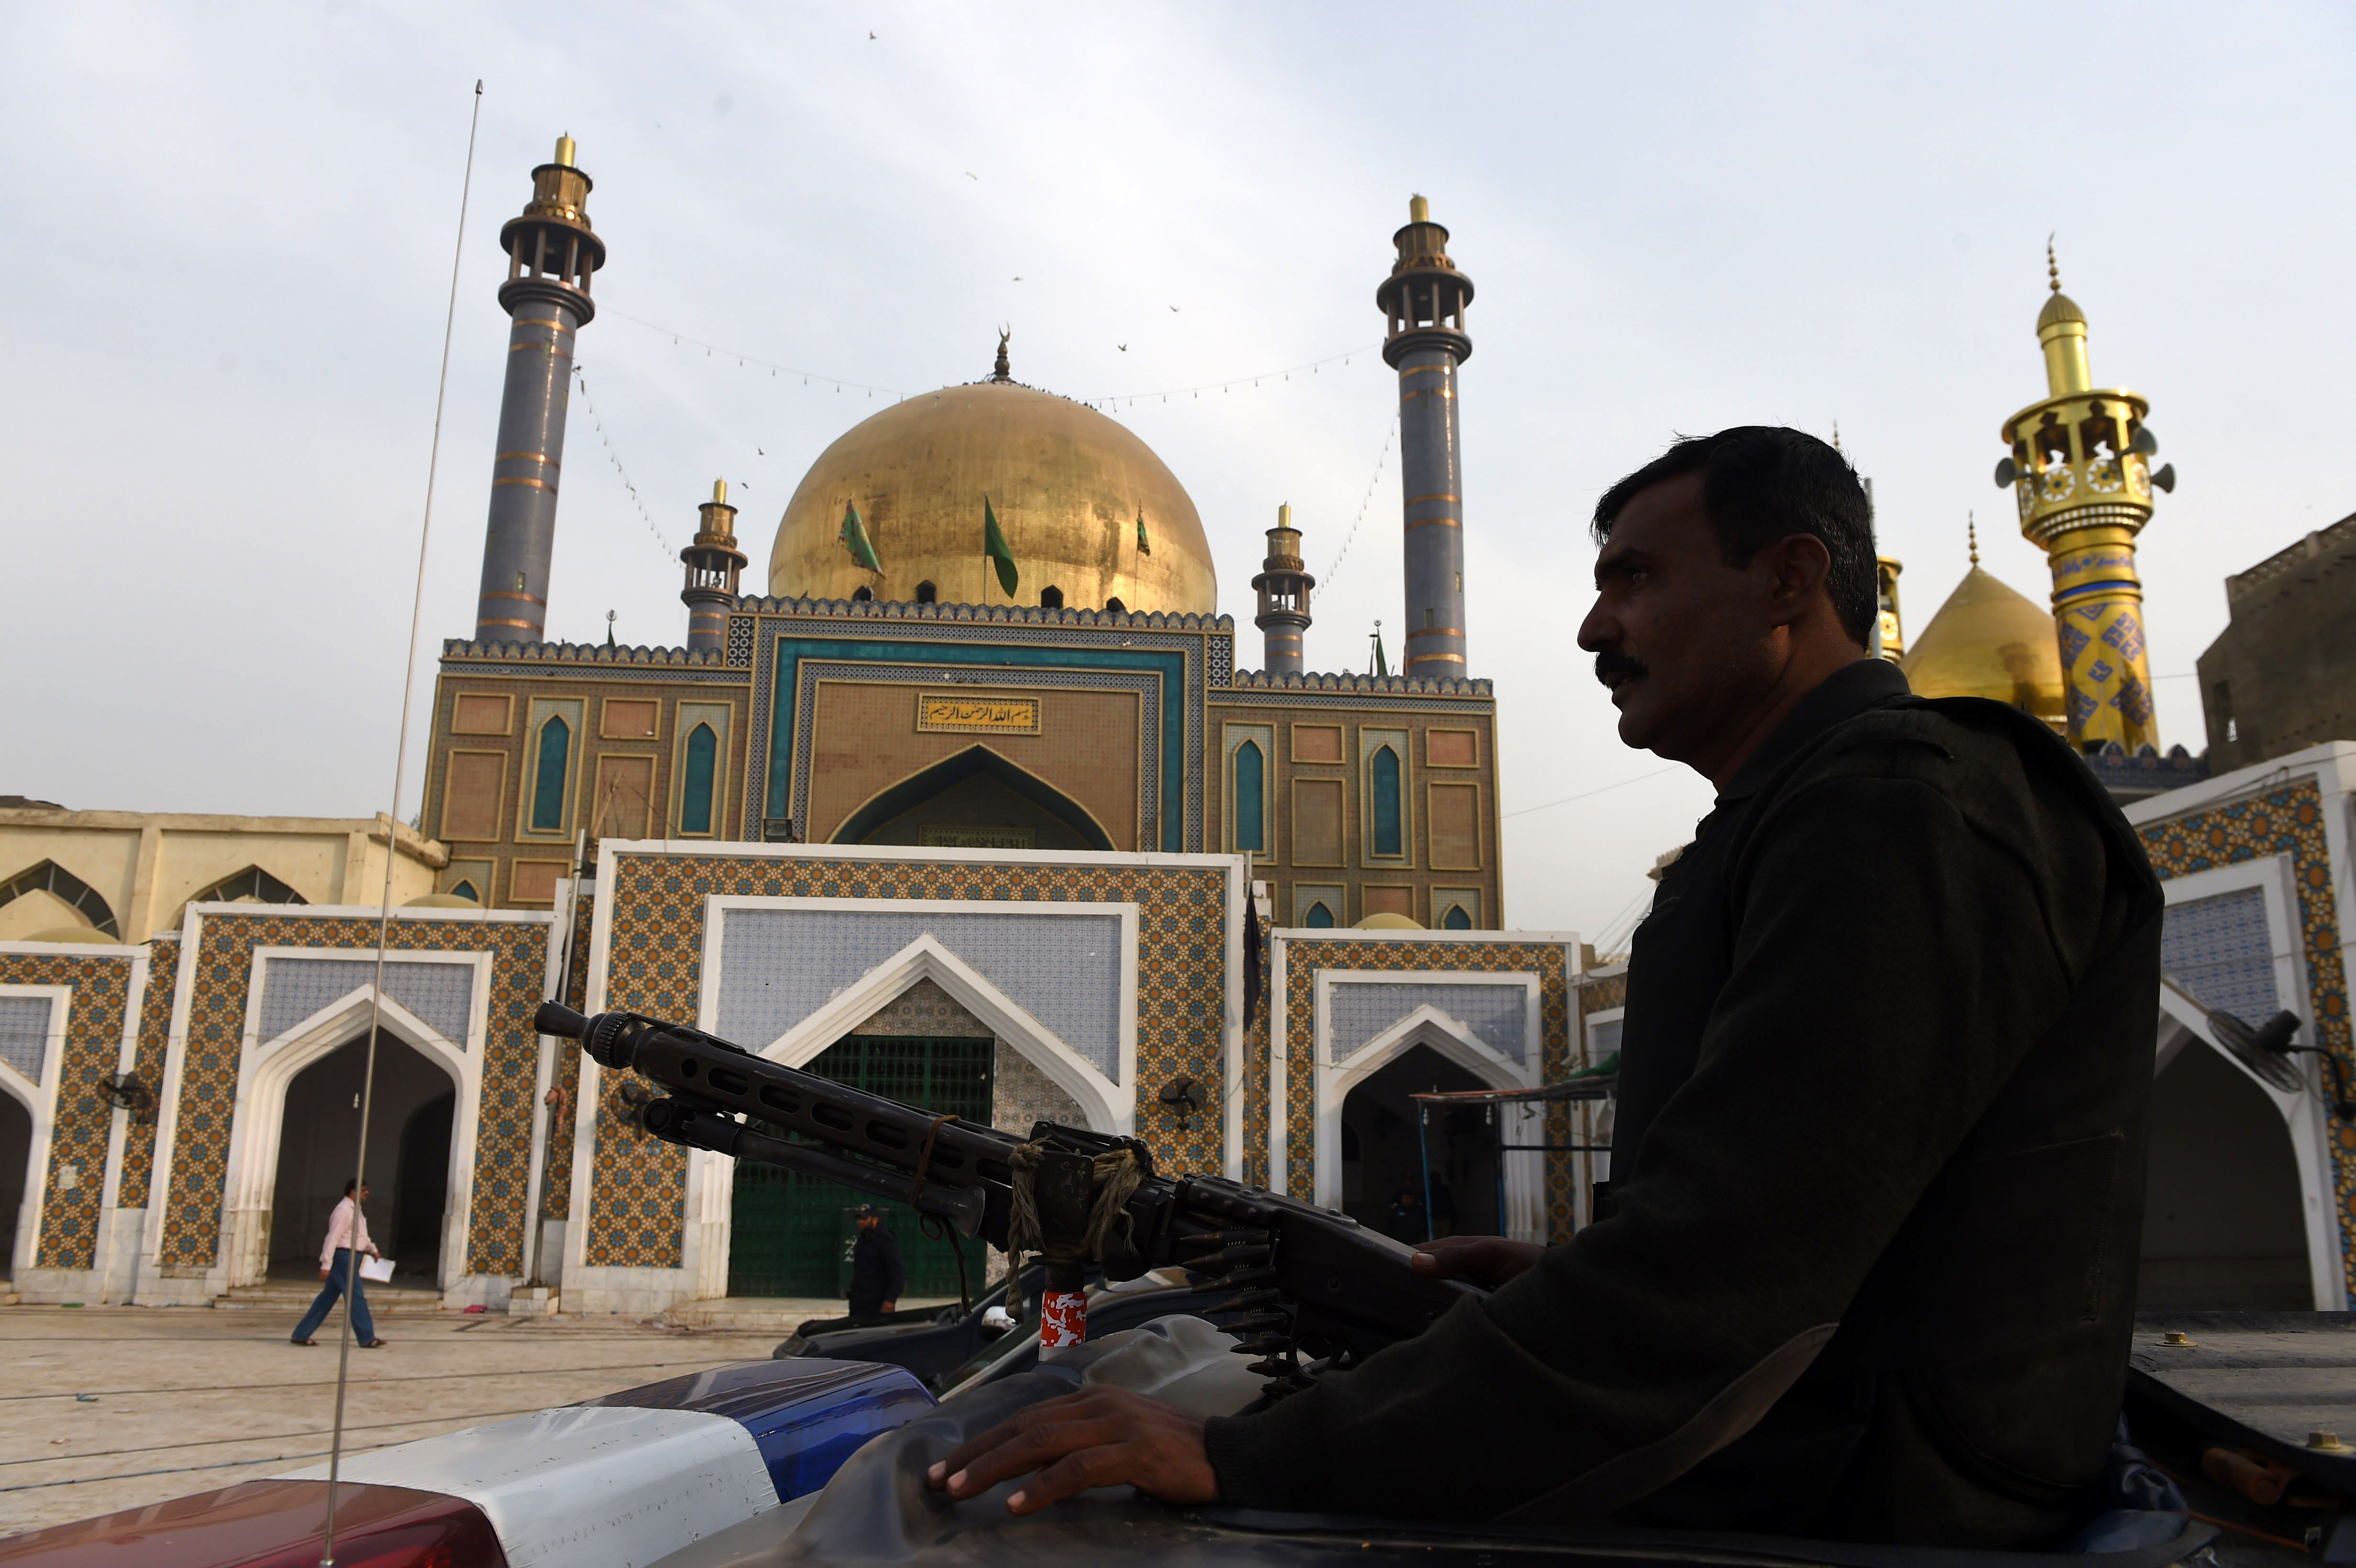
<point x="1868" y="1268"/>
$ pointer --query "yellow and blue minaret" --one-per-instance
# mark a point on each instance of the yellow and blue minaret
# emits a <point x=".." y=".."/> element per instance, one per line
<point x="2081" y="473"/>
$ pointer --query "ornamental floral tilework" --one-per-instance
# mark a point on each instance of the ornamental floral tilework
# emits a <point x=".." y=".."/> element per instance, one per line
<point x="1303" y="958"/>
<point x="655" y="943"/>
<point x="215" y="1027"/>
<point x="556" y="1181"/>
<point x="100" y="988"/>
<point x="2284" y="821"/>
<point x="148" y="1066"/>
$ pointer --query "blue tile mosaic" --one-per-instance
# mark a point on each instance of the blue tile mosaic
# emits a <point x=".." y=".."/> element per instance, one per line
<point x="779" y="965"/>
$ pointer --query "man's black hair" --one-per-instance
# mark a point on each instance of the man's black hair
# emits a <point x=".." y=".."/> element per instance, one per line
<point x="349" y="1184"/>
<point x="1764" y="482"/>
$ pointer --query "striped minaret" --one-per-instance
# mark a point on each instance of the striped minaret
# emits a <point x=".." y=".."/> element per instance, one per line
<point x="550" y="253"/>
<point x="1423" y="300"/>
<point x="713" y="562"/>
<point x="1283" y="586"/>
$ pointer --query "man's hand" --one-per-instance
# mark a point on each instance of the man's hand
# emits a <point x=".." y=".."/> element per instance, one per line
<point x="891" y="1307"/>
<point x="1097" y="1437"/>
<point x="324" y="1272"/>
<point x="1485" y="1260"/>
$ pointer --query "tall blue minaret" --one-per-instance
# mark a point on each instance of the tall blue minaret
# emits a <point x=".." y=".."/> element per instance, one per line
<point x="550" y="253"/>
<point x="1424" y="300"/>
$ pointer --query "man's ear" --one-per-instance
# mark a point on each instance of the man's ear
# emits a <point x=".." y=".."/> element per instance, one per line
<point x="1797" y="565"/>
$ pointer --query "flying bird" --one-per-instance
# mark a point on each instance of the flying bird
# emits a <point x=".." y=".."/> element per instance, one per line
<point x="758" y="450"/>
<point x="1173" y="308"/>
<point x="870" y="37"/>
<point x="1018" y="277"/>
<point x="1122" y="347"/>
<point x="971" y="176"/>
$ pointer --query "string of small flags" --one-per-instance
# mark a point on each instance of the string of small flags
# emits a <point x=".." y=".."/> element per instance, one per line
<point x="1129" y="400"/>
<point x="754" y="362"/>
<point x="1109" y="402"/>
<point x="581" y="379"/>
<point x="1326" y="582"/>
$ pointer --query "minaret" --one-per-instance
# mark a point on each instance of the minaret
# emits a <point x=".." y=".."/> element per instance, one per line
<point x="550" y="253"/>
<point x="2078" y="472"/>
<point x="1283" y="597"/>
<point x="712" y="563"/>
<point x="1890" y="631"/>
<point x="1424" y="300"/>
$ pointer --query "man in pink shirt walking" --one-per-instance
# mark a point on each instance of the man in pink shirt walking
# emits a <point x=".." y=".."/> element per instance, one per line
<point x="346" y="1234"/>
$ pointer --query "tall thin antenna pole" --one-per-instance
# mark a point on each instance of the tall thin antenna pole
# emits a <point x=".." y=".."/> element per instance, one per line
<point x="392" y="845"/>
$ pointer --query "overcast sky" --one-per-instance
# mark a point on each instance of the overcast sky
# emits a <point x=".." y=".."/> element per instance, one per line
<point x="227" y="243"/>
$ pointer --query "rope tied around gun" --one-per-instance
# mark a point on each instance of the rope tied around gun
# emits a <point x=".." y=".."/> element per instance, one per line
<point x="1113" y="1182"/>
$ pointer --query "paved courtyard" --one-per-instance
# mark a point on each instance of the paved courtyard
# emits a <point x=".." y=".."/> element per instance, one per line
<point x="111" y="1408"/>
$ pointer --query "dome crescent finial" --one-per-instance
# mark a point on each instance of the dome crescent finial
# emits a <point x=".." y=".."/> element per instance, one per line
<point x="2052" y="267"/>
<point x="1971" y="534"/>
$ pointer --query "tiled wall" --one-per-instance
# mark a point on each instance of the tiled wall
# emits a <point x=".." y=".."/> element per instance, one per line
<point x="93" y="1044"/>
<point x="1306" y="957"/>
<point x="654" y="966"/>
<point x="214" y="1044"/>
<point x="2286" y="821"/>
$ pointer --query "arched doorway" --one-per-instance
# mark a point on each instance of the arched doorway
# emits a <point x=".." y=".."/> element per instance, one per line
<point x="15" y="1161"/>
<point x="1382" y="1153"/>
<point x="975" y="799"/>
<point x="410" y="1128"/>
<point x="2224" y="1225"/>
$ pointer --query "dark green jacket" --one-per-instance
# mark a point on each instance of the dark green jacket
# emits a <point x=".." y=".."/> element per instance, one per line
<point x="1878" y="1176"/>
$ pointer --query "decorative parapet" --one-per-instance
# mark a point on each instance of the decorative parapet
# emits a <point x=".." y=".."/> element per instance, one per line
<point x="582" y="653"/>
<point x="2143" y="772"/>
<point x="1008" y="614"/>
<point x="2241" y="584"/>
<point x="1398" y="685"/>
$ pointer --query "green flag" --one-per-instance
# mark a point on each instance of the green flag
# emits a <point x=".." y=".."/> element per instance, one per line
<point x="1144" y="546"/>
<point x="994" y="547"/>
<point x="854" y="540"/>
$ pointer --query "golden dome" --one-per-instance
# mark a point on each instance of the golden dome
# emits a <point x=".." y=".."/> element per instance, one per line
<point x="1988" y="641"/>
<point x="1067" y="484"/>
<point x="2060" y="310"/>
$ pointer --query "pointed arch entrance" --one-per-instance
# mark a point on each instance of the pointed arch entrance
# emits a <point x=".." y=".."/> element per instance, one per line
<point x="1363" y="1107"/>
<point x="411" y="1111"/>
<point x="975" y="793"/>
<point x="295" y="1134"/>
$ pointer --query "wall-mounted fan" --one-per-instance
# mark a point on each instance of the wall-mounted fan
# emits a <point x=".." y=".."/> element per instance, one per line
<point x="2266" y="1050"/>
<point x="124" y="1091"/>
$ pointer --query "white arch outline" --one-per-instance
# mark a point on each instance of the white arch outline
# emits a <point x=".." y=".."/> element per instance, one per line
<point x="1104" y="1105"/>
<point x="1426" y="1026"/>
<point x="40" y="1103"/>
<point x="259" y="1111"/>
<point x="2184" y="1022"/>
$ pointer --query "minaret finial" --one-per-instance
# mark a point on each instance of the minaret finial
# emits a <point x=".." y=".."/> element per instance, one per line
<point x="1972" y="533"/>
<point x="1836" y="435"/>
<point x="2052" y="267"/>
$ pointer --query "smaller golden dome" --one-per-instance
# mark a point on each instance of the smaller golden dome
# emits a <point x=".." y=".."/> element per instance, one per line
<point x="1987" y="640"/>
<point x="441" y="901"/>
<point x="2060" y="310"/>
<point x="89" y="935"/>
<point x="1388" y="922"/>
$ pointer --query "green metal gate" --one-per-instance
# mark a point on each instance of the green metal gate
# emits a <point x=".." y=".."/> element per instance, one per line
<point x="792" y="1234"/>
